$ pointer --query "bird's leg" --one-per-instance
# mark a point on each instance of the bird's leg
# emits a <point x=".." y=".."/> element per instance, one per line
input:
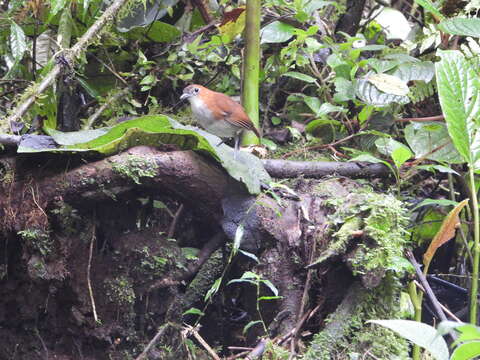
<point x="237" y="142"/>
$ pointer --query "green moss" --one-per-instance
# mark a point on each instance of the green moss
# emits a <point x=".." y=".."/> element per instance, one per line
<point x="120" y="291"/>
<point x="38" y="240"/>
<point x="135" y="167"/>
<point x="355" y="337"/>
<point x="382" y="221"/>
<point x="208" y="273"/>
<point x="152" y="264"/>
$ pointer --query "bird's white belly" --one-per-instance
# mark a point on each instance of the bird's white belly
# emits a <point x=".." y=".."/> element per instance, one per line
<point x="206" y="120"/>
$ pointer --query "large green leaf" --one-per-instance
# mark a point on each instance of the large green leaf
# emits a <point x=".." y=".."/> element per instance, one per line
<point x="154" y="130"/>
<point x="157" y="31"/>
<point x="420" y="334"/>
<point x="415" y="71"/>
<point x="461" y="26"/>
<point x="18" y="41"/>
<point x="431" y="140"/>
<point x="369" y="94"/>
<point x="277" y="32"/>
<point x="459" y="94"/>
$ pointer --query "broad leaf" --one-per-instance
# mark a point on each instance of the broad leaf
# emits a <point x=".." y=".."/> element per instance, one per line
<point x="396" y="150"/>
<point x="389" y="84"/>
<point x="459" y="94"/>
<point x="369" y="94"/>
<point x="300" y="76"/>
<point x="18" y="42"/>
<point x="154" y="130"/>
<point x="424" y="70"/>
<point x="430" y="140"/>
<point x="144" y="13"/>
<point x="466" y="351"/>
<point x="439" y="202"/>
<point x="277" y="32"/>
<point x="461" y="26"/>
<point x="420" y="334"/>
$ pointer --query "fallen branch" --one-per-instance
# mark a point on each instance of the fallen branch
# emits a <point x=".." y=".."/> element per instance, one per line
<point x="318" y="169"/>
<point x="9" y="140"/>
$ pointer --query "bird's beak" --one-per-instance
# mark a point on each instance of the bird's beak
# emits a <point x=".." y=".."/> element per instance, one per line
<point x="185" y="96"/>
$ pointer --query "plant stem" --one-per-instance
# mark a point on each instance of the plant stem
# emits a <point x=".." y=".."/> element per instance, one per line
<point x="417" y="306"/>
<point x="476" y="248"/>
<point x="251" y="67"/>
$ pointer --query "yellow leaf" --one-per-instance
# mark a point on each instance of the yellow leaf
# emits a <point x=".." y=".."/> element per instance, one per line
<point x="445" y="233"/>
<point x="233" y="23"/>
<point x="389" y="84"/>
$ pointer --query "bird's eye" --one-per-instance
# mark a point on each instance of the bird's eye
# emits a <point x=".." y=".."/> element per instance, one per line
<point x="196" y="90"/>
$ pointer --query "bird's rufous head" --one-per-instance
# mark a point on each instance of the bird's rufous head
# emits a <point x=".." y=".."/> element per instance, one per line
<point x="191" y="90"/>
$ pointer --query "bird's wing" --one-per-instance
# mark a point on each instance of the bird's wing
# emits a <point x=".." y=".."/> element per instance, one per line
<point x="234" y="113"/>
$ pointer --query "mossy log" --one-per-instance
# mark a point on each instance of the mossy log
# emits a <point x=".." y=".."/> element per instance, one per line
<point x="115" y="217"/>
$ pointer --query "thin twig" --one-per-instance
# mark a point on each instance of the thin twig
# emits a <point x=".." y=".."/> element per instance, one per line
<point x="320" y="146"/>
<point x="91" y="120"/>
<point x="202" y="342"/>
<point x="452" y="315"/>
<point x="152" y="342"/>
<point x="304" y="301"/>
<point x="428" y="290"/>
<point x="117" y="75"/>
<point x="422" y="119"/>
<point x="89" y="266"/>
<point x="173" y="225"/>
<point x="44" y="346"/>
<point x="36" y="203"/>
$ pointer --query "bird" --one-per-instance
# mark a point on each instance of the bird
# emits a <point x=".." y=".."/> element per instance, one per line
<point x="218" y="113"/>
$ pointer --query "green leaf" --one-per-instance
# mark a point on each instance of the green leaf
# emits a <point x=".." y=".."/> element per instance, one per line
<point x="154" y="130"/>
<point x="431" y="141"/>
<point x="65" y="29"/>
<point x="300" y="76"/>
<point x="193" y="311"/>
<point x="56" y="6"/>
<point x="266" y="298"/>
<point x="466" y="351"/>
<point x="439" y="202"/>
<point x="159" y="31"/>
<point x="276" y="32"/>
<point x="429" y="6"/>
<point x="424" y="70"/>
<point x="75" y="137"/>
<point x="420" y="334"/>
<point x="439" y="168"/>
<point x="148" y="80"/>
<point x="461" y="26"/>
<point x="396" y="150"/>
<point x="272" y="287"/>
<point x="369" y="94"/>
<point x="400" y="155"/>
<point x="250" y="255"/>
<point x="459" y="94"/>
<point x="214" y="289"/>
<point x="18" y="41"/>
<point x="389" y="84"/>
<point x="250" y="324"/>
